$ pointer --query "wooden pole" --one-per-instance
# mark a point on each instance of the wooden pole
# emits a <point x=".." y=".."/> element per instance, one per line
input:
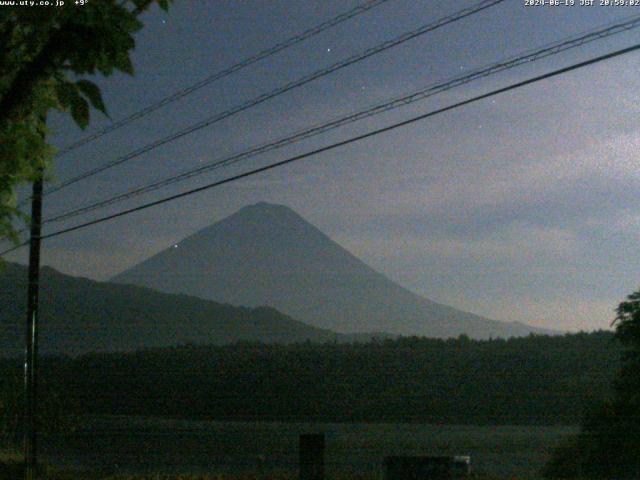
<point x="312" y="457"/>
<point x="31" y="350"/>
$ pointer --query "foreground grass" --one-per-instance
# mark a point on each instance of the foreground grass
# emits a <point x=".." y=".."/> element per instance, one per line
<point x="204" y="477"/>
<point x="12" y="469"/>
<point x="15" y="471"/>
<point x="255" y="477"/>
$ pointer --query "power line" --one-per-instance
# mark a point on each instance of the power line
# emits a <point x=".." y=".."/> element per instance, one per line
<point x="282" y="89"/>
<point x="366" y="6"/>
<point x="505" y="64"/>
<point x="14" y="248"/>
<point x="333" y="146"/>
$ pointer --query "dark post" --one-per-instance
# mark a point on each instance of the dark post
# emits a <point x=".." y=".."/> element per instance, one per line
<point x="427" y="467"/>
<point x="312" y="457"/>
<point x="31" y="350"/>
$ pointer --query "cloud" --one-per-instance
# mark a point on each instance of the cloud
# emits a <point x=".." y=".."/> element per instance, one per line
<point x="520" y="243"/>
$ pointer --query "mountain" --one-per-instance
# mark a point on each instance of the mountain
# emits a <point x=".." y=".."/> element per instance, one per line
<point x="267" y="254"/>
<point x="79" y="315"/>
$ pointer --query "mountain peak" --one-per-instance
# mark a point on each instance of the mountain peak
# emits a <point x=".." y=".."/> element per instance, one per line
<point x="267" y="254"/>
<point x="269" y="228"/>
<point x="267" y="209"/>
<point x="265" y="206"/>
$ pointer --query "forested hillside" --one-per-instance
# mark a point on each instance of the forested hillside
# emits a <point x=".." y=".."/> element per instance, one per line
<point x="78" y="315"/>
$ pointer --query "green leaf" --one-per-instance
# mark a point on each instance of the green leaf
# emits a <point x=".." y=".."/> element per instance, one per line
<point x="141" y="5"/>
<point x="69" y="97"/>
<point x="123" y="63"/>
<point x="92" y="92"/>
<point x="80" y="111"/>
<point x="65" y="92"/>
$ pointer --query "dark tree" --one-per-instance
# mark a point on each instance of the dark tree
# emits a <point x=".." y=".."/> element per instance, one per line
<point x="608" y="445"/>
<point x="43" y="52"/>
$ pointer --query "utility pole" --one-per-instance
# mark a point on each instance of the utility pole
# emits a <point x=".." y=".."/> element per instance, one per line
<point x="31" y="350"/>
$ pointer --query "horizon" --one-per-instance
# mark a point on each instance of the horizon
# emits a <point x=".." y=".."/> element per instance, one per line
<point x="263" y="207"/>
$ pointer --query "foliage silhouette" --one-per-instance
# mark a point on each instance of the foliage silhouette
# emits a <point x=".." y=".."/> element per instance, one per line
<point x="43" y="51"/>
<point x="608" y="446"/>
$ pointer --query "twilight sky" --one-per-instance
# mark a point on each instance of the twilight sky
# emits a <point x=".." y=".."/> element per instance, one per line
<point x="519" y="207"/>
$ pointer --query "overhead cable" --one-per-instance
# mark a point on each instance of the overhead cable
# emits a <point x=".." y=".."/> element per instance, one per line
<point x="333" y="146"/>
<point x="527" y="57"/>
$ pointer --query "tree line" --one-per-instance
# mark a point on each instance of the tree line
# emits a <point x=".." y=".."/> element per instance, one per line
<point x="533" y="380"/>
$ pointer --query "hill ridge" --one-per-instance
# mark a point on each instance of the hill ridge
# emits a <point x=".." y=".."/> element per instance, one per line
<point x="79" y="315"/>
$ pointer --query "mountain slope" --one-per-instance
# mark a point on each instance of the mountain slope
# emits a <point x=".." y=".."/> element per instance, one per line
<point x="267" y="254"/>
<point x="79" y="315"/>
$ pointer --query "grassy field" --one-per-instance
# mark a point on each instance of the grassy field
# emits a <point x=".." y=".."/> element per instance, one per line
<point x="12" y="471"/>
<point x="136" y="448"/>
<point x="11" y="468"/>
